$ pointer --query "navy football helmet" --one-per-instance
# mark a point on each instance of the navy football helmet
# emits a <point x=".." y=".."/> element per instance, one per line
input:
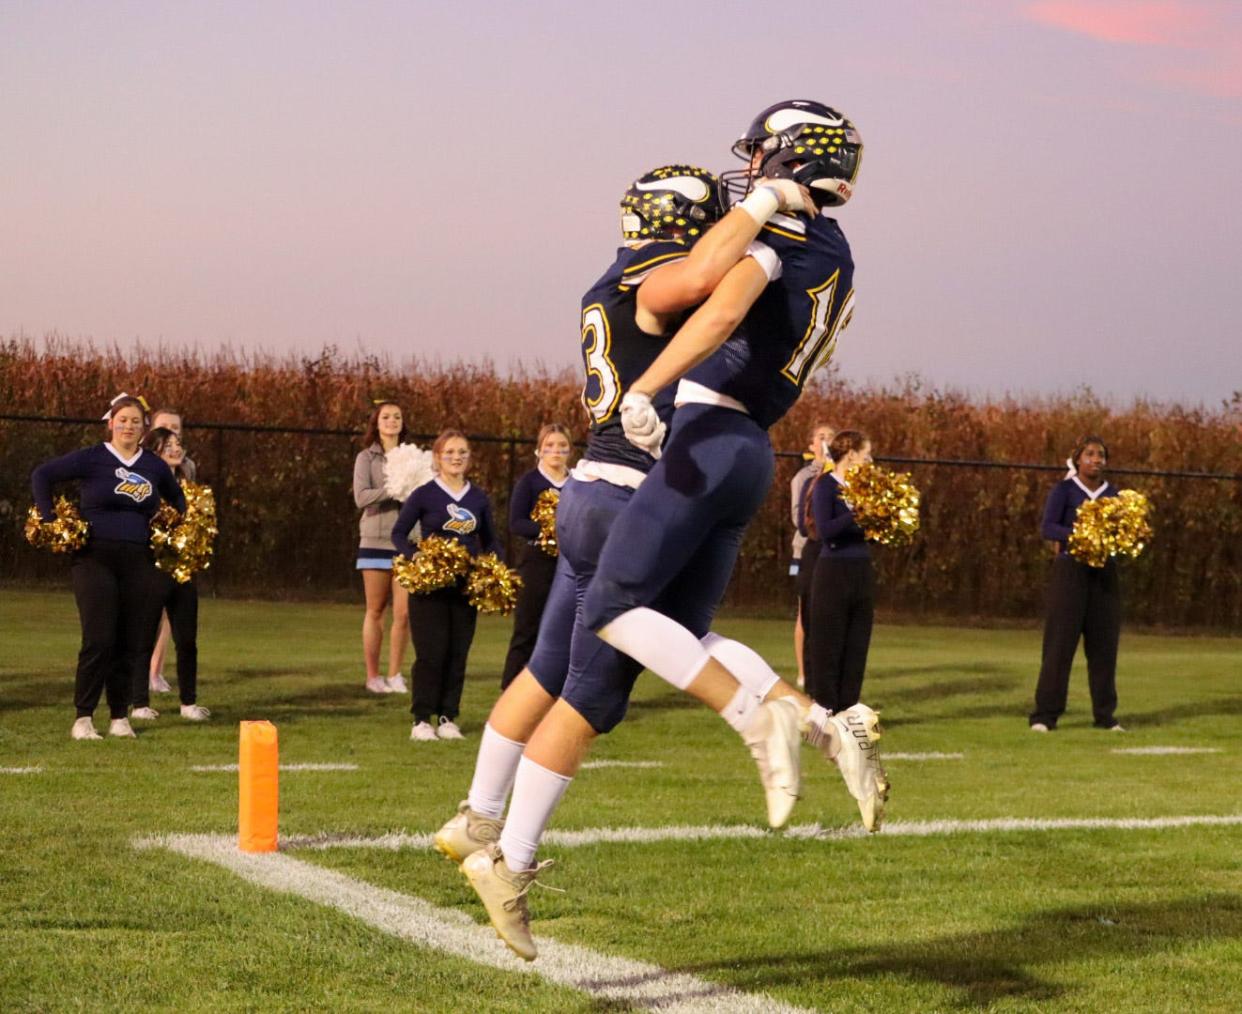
<point x="673" y="202"/>
<point x="804" y="141"/>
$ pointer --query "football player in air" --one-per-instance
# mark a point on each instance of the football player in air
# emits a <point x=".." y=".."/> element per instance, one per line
<point x="774" y="318"/>
<point x="670" y="262"/>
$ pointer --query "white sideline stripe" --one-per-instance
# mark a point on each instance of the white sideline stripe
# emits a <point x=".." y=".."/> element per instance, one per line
<point x="622" y="764"/>
<point x="1154" y="750"/>
<point x="22" y="771"/>
<point x="922" y="756"/>
<point x="599" y="975"/>
<point x="395" y="840"/>
<point x="283" y="767"/>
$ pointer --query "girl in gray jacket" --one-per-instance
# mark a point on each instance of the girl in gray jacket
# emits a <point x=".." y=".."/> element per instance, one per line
<point x="385" y="430"/>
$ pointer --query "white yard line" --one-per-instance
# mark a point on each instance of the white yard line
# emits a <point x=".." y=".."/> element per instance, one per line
<point x="921" y="756"/>
<point x="622" y="764"/>
<point x="283" y="767"/>
<point x="38" y="768"/>
<point x="1159" y="750"/>
<point x="395" y="840"/>
<point x="601" y="976"/>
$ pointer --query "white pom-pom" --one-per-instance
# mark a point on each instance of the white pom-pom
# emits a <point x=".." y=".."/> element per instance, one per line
<point x="406" y="467"/>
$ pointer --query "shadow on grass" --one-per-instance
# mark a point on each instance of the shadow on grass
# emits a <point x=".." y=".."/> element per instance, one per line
<point x="1003" y="964"/>
<point x="1179" y="716"/>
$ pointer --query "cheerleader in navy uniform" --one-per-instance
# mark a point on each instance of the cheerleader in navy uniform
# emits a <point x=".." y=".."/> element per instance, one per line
<point x="1083" y="601"/>
<point x="114" y="576"/>
<point x="535" y="565"/>
<point x="442" y="622"/>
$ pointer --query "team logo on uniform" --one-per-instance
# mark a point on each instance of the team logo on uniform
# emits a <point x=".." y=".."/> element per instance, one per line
<point x="460" y="520"/>
<point x="133" y="485"/>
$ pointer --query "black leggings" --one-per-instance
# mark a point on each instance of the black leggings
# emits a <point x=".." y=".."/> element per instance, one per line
<point x="442" y="628"/>
<point x="1082" y="602"/>
<point x="536" y="569"/>
<point x="114" y="584"/>
<point x="839" y="634"/>
<point x="180" y="601"/>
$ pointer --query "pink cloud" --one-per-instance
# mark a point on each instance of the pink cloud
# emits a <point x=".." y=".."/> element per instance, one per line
<point x="1136" y="23"/>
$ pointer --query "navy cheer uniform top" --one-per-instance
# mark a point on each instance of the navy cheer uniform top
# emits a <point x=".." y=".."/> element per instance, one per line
<point x="842" y="538"/>
<point x="118" y="497"/>
<point x="466" y="517"/>
<point x="526" y="492"/>
<point x="1062" y="509"/>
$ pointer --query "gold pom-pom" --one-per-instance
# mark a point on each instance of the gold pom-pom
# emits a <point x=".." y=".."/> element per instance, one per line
<point x="439" y="563"/>
<point x="183" y="543"/>
<point x="885" y="504"/>
<point x="1111" y="526"/>
<point x="492" y="586"/>
<point x="544" y="515"/>
<point x="66" y="533"/>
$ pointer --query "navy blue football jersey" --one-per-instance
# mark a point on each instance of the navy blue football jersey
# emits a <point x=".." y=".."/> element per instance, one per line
<point x="793" y="327"/>
<point x="616" y="352"/>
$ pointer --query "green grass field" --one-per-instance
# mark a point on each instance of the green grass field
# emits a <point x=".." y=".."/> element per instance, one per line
<point x="1065" y="919"/>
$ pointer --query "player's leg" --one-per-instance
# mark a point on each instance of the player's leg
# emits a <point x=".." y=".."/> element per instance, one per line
<point x="1100" y="637"/>
<point x="1067" y="605"/>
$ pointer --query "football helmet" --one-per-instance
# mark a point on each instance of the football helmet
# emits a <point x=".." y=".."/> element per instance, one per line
<point x="804" y="141"/>
<point x="673" y="202"/>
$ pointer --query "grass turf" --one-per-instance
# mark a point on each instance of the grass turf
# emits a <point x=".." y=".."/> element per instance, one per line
<point x="1067" y="920"/>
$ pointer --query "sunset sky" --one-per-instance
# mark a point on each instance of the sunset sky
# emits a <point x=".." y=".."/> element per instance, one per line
<point x="1049" y="194"/>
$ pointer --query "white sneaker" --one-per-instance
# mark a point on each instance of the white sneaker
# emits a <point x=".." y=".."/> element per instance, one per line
<point x="396" y="684"/>
<point x="159" y="685"/>
<point x="121" y="728"/>
<point x="858" y="730"/>
<point x="447" y="729"/>
<point x="467" y="832"/>
<point x="1116" y="728"/>
<point x="84" y="728"/>
<point x="378" y="685"/>
<point x="195" y="713"/>
<point x="423" y="732"/>
<point x="148" y="714"/>
<point x="1039" y="727"/>
<point x="774" y="742"/>
<point x="503" y="894"/>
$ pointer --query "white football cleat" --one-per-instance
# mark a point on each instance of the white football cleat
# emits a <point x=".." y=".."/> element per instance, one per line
<point x="195" y="713"/>
<point x="503" y="893"/>
<point x="84" y="728"/>
<point x="396" y="684"/>
<point x="447" y="729"/>
<point x="858" y="731"/>
<point x="147" y="714"/>
<point x="466" y="833"/>
<point x="775" y="742"/>
<point x="121" y="728"/>
<point x="423" y="732"/>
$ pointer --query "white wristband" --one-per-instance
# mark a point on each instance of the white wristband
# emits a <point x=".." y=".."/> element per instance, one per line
<point x="761" y="204"/>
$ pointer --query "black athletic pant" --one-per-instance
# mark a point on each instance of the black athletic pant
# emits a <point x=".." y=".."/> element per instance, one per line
<point x="1082" y="602"/>
<point x="442" y="627"/>
<point x="180" y="601"/>
<point x="114" y="585"/>
<point x="806" y="577"/>
<point x="839" y="634"/>
<point x="536" y="569"/>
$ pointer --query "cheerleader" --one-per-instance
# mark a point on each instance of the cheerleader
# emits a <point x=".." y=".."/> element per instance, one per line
<point x="1083" y="601"/>
<point x="179" y="613"/>
<point x="806" y="548"/>
<point x="169" y="419"/>
<point x="535" y="566"/>
<point x="114" y="576"/>
<point x="843" y="588"/>
<point x="385" y="430"/>
<point x="442" y="622"/>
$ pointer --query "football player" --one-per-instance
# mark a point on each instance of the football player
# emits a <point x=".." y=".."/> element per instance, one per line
<point x="778" y="314"/>
<point x="670" y="262"/>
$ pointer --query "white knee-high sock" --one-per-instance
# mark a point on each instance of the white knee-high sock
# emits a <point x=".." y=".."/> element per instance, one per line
<point x="536" y="793"/>
<point x="663" y="645"/>
<point x="744" y="664"/>
<point x="493" y="772"/>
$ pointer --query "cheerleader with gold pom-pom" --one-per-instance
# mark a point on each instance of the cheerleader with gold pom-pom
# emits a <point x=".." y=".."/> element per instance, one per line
<point x="442" y="621"/>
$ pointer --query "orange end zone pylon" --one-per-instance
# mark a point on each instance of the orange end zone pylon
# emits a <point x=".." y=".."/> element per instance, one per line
<point x="258" y="773"/>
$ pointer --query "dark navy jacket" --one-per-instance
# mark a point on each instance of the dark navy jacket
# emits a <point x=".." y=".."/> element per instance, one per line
<point x="525" y="492"/>
<point x="466" y="517"/>
<point x="117" y="497"/>
<point x="1061" y="509"/>
<point x="834" y="521"/>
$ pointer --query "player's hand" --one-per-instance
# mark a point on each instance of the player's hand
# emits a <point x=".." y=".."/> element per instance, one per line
<point x="641" y="423"/>
<point x="792" y="196"/>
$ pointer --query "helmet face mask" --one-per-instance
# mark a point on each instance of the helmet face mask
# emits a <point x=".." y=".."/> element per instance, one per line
<point x="807" y="142"/>
<point x="674" y="203"/>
